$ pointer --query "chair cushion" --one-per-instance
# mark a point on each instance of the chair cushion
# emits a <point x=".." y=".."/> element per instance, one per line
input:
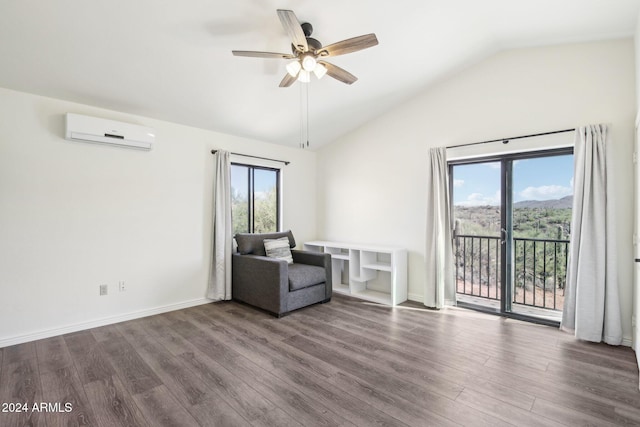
<point x="250" y="243"/>
<point x="302" y="276"/>
<point x="278" y="248"/>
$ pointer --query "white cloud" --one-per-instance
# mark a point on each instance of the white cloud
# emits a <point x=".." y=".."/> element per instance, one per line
<point x="494" y="165"/>
<point x="458" y="183"/>
<point x="479" y="199"/>
<point x="545" y="192"/>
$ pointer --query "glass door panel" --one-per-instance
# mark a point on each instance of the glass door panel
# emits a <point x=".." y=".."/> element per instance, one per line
<point x="477" y="233"/>
<point x="541" y="217"/>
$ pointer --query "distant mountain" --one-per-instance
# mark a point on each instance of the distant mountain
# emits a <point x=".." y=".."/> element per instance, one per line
<point x="564" y="203"/>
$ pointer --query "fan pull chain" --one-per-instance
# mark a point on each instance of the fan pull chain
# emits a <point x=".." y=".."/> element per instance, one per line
<point x="300" y="144"/>
<point x="307" y="85"/>
<point x="304" y="115"/>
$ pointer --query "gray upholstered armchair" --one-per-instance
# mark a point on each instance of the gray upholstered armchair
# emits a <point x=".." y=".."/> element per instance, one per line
<point x="274" y="285"/>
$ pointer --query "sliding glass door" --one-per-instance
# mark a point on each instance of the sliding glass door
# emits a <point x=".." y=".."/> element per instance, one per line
<point x="512" y="227"/>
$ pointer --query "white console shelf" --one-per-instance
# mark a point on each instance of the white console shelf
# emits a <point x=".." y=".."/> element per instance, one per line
<point x="373" y="273"/>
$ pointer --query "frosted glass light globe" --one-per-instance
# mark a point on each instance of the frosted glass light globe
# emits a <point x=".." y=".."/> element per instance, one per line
<point x="304" y="76"/>
<point x="293" y="68"/>
<point x="309" y="63"/>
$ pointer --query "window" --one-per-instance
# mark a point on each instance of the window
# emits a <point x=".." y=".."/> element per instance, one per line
<point x="255" y="199"/>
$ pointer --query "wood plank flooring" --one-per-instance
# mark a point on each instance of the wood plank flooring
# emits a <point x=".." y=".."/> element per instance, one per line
<point x="346" y="363"/>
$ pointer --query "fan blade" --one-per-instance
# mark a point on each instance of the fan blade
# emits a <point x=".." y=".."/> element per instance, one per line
<point x="287" y="80"/>
<point x="350" y="45"/>
<point x="339" y="73"/>
<point x="294" y="30"/>
<point x="253" y="54"/>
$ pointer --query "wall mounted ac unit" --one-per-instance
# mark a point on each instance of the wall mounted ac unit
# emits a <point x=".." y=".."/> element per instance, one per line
<point x="93" y="129"/>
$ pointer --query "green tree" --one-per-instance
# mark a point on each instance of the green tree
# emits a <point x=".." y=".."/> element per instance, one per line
<point x="239" y="211"/>
<point x="478" y="260"/>
<point x="265" y="212"/>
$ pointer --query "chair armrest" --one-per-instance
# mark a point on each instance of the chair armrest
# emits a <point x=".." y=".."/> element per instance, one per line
<point x="318" y="259"/>
<point x="260" y="281"/>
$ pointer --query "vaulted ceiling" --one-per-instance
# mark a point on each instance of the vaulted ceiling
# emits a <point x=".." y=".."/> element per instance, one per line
<point x="172" y="60"/>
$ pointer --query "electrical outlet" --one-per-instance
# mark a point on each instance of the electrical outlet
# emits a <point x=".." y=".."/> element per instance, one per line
<point x="121" y="286"/>
<point x="104" y="289"/>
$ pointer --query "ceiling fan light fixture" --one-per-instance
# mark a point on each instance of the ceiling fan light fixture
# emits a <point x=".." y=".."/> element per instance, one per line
<point x="320" y="71"/>
<point x="308" y="54"/>
<point x="304" y="76"/>
<point x="293" y="68"/>
<point x="309" y="63"/>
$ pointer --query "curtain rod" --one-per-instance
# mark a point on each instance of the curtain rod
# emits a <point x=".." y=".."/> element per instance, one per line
<point x="255" y="157"/>
<point x="506" y="140"/>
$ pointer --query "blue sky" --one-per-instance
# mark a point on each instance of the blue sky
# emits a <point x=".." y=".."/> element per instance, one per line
<point x="264" y="180"/>
<point x="544" y="178"/>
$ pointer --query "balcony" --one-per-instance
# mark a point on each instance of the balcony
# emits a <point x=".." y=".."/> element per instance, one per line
<point x="539" y="273"/>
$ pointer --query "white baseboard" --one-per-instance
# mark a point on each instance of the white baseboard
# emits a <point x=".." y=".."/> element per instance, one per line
<point x="47" y="333"/>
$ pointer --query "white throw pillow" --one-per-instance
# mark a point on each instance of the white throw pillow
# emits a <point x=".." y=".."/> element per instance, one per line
<point x="278" y="248"/>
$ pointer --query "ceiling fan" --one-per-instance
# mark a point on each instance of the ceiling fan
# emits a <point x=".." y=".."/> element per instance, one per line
<point x="308" y="53"/>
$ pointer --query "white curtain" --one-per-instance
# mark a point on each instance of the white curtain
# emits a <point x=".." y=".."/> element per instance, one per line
<point x="591" y="305"/>
<point x="220" y="271"/>
<point x="440" y="284"/>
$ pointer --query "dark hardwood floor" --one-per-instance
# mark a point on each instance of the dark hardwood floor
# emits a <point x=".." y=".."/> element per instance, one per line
<point x="342" y="363"/>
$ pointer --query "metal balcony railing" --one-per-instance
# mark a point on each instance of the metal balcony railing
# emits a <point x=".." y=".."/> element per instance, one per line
<point x="539" y="269"/>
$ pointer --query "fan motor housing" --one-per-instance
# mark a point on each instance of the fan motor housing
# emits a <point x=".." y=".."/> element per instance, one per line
<point x="313" y="44"/>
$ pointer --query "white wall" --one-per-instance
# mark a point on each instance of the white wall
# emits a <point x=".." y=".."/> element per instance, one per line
<point x="371" y="185"/>
<point x="76" y="215"/>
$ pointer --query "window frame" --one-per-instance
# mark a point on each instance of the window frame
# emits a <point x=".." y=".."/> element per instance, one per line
<point x="251" y="168"/>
